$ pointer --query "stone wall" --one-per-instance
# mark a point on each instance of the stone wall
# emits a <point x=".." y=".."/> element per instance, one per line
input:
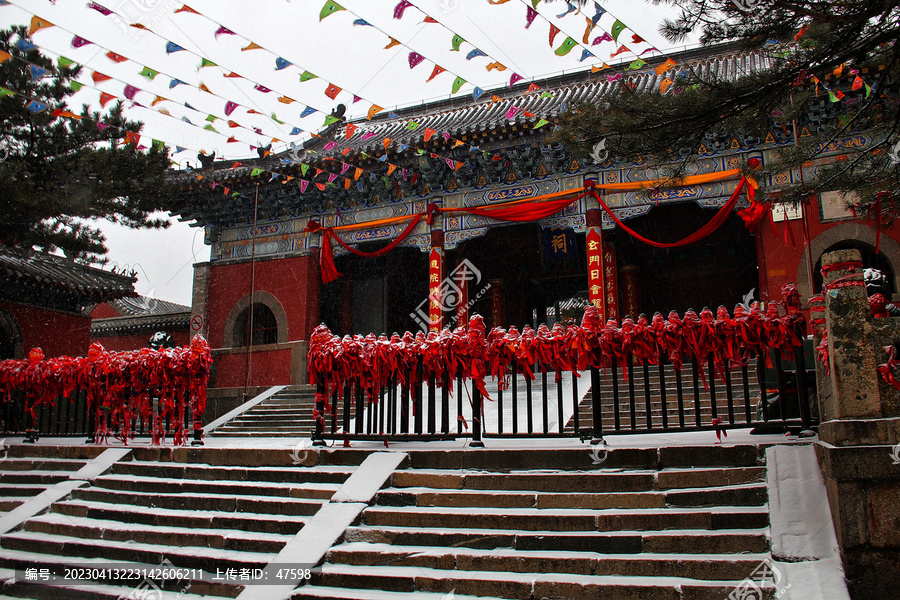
<point x="859" y="437"/>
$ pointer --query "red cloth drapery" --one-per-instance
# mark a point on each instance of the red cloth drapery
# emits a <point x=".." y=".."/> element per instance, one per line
<point x="530" y="211"/>
<point x="329" y="269"/>
<point x="698" y="235"/>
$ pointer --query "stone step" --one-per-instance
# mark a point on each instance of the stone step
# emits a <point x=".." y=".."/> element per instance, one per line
<point x="319" y="491"/>
<point x="218" y="502"/>
<point x="42" y="477"/>
<point x="586" y="481"/>
<point x="195" y="557"/>
<point x="206" y="519"/>
<point x="201" y="586"/>
<point x="42" y="464"/>
<point x="24" y="490"/>
<point x="85" y="528"/>
<point x="332" y="593"/>
<point x="694" y="566"/>
<point x="619" y="542"/>
<point x="247" y="433"/>
<point x="750" y="495"/>
<point x="527" y="519"/>
<point x="516" y="585"/>
<point x="265" y="428"/>
<point x="286" y="474"/>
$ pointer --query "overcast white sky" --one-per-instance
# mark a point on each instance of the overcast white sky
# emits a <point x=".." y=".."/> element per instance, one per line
<point x="352" y="57"/>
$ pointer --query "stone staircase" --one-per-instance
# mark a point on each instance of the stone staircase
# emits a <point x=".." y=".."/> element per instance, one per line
<point x="684" y="524"/>
<point x="637" y="383"/>
<point x="222" y="509"/>
<point x="287" y="413"/>
<point x="674" y="523"/>
<point x="27" y="470"/>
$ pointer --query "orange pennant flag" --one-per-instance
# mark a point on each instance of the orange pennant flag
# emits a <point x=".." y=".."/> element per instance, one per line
<point x="232" y="74"/>
<point x="286" y="100"/>
<point x="596" y="69"/>
<point x="357" y="173"/>
<point x="38" y="23"/>
<point x="495" y="99"/>
<point x="186" y="8"/>
<point x="392" y="43"/>
<point x="428" y="133"/>
<point x="346" y="183"/>
<point x="251" y="46"/>
<point x="373" y="111"/>
<point x="157" y="100"/>
<point x="391" y="168"/>
<point x="321" y="186"/>
<point x="533" y="87"/>
<point x="351" y="128"/>
<point x="4" y="56"/>
<point x="435" y="72"/>
<point x="104" y="98"/>
<point x="387" y="142"/>
<point x="115" y="57"/>
<point x="233" y="124"/>
<point x="332" y="91"/>
<point x="495" y="65"/>
<point x="664" y="86"/>
<point x="665" y="66"/>
<point x="97" y="76"/>
<point x="203" y="87"/>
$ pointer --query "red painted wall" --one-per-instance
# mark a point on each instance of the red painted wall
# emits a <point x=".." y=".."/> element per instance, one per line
<point x="56" y="333"/>
<point x="293" y="281"/>
<point x="104" y="311"/>
<point x="269" y="368"/>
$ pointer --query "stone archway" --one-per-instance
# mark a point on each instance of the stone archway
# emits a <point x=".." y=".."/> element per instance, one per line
<point x="839" y="233"/>
<point x="232" y="335"/>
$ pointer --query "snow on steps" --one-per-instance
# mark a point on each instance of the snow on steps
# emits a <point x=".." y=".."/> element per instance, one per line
<point x="28" y="470"/>
<point x="675" y="532"/>
<point x="196" y="515"/>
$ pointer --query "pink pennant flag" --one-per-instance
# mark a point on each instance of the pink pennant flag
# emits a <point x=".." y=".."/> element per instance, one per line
<point x="261" y="88"/>
<point x="530" y="16"/>
<point x="303" y="184"/>
<point x="367" y="135"/>
<point x="606" y="37"/>
<point x="229" y="108"/>
<point x="100" y="9"/>
<point x="450" y="163"/>
<point x="515" y="77"/>
<point x="330" y="145"/>
<point x="512" y="112"/>
<point x="223" y="31"/>
<point x="102" y="126"/>
<point x="130" y="91"/>
<point x="400" y="8"/>
<point x="331" y="177"/>
<point x="78" y="42"/>
<point x="344" y="167"/>
<point x="414" y="59"/>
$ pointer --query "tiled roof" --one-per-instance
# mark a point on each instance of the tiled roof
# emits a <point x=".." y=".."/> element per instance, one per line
<point x="148" y="323"/>
<point x="142" y="305"/>
<point x="61" y="275"/>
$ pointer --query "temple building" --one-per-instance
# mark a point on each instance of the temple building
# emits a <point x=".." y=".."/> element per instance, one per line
<point x="416" y="218"/>
<point x="46" y="302"/>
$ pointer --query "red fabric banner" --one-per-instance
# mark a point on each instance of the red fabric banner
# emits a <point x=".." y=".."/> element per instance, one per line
<point x="698" y="235"/>
<point x="329" y="270"/>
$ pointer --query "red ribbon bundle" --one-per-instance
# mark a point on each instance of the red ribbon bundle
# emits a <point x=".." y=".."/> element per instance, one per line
<point x="119" y="385"/>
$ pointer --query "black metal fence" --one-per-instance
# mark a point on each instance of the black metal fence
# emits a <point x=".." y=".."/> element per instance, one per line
<point x="71" y="417"/>
<point x="629" y="397"/>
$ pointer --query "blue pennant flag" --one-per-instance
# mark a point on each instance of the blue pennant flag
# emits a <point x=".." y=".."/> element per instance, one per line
<point x="280" y="64"/>
<point x="477" y="93"/>
<point x="25" y="46"/>
<point x="35" y="107"/>
<point x="37" y="72"/>
<point x="362" y="22"/>
<point x="473" y="53"/>
<point x="296" y="131"/>
<point x="175" y="82"/>
<point x="172" y="47"/>
<point x="307" y="111"/>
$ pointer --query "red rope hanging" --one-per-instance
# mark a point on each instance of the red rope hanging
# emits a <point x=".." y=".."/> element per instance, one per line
<point x="698" y="235"/>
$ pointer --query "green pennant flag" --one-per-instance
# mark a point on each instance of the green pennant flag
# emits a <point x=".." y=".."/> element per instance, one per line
<point x="304" y="168"/>
<point x="148" y="73"/>
<point x="158" y="144"/>
<point x="211" y="118"/>
<point x="636" y="64"/>
<point x="546" y="95"/>
<point x="274" y="118"/>
<point x="868" y="90"/>
<point x="211" y="128"/>
<point x="306" y="76"/>
<point x="832" y="97"/>
<point x="64" y="62"/>
<point x="329" y="9"/>
<point x="235" y="194"/>
<point x="75" y="86"/>
<point x="540" y="123"/>
<point x="6" y="92"/>
<point x="534" y="3"/>
<point x="457" y="40"/>
<point x="458" y="84"/>
<point x="566" y="47"/>
<point x="329" y="120"/>
<point x="205" y="62"/>
<point x="617" y="28"/>
<point x="256" y="171"/>
<point x="412" y="126"/>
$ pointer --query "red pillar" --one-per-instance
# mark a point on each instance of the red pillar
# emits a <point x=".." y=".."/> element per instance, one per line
<point x="435" y="280"/>
<point x="596" y="280"/>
